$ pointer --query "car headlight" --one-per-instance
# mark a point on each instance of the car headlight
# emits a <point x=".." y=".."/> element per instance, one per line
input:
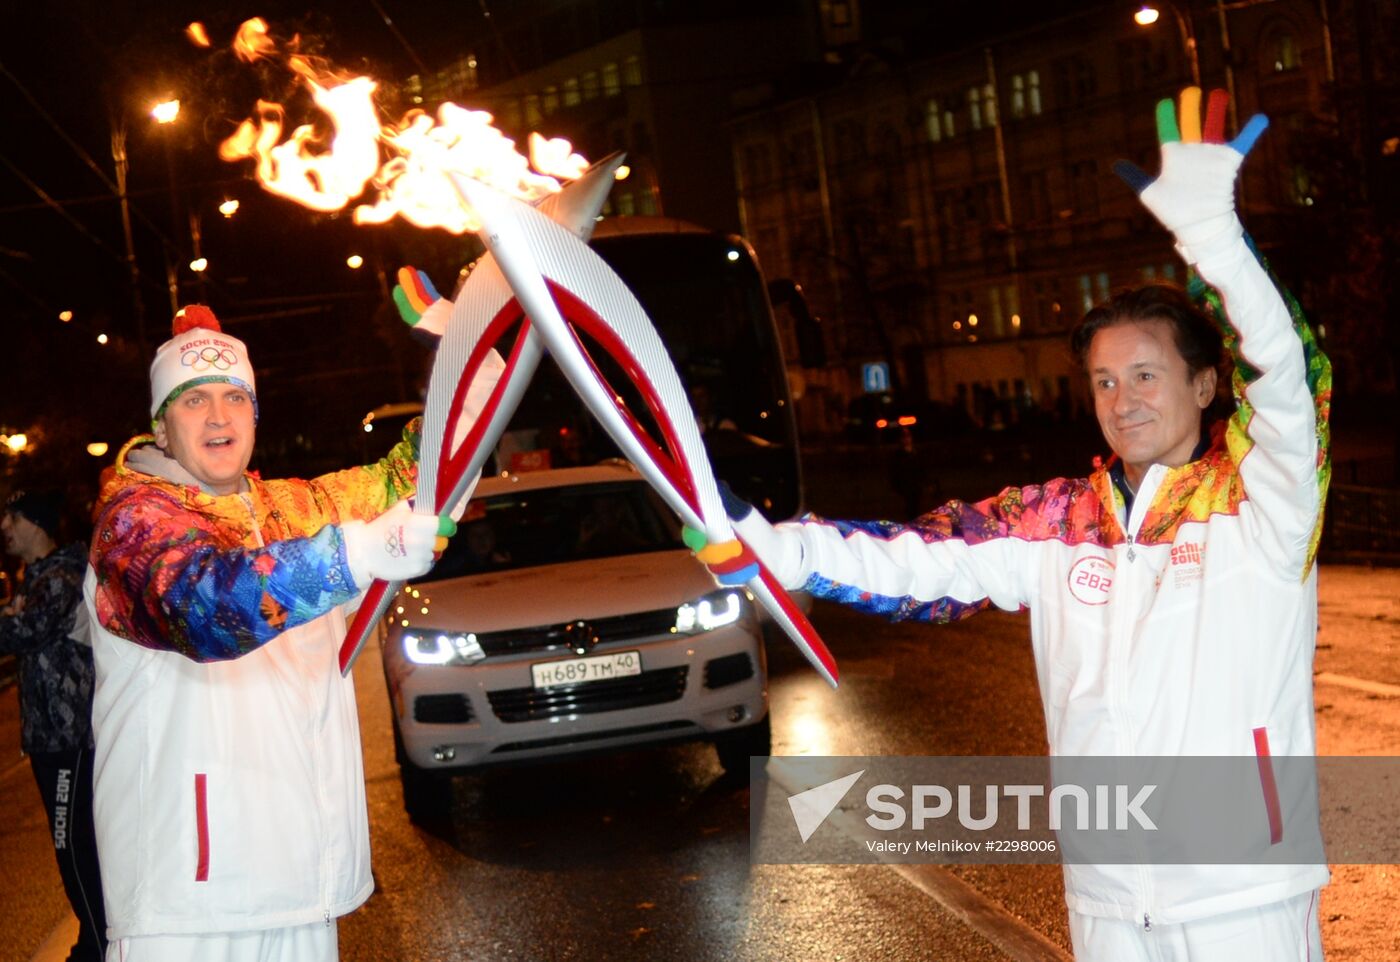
<point x="427" y="647"/>
<point x="714" y="610"/>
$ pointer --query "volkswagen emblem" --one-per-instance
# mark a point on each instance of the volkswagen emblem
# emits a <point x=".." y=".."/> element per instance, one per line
<point x="581" y="637"/>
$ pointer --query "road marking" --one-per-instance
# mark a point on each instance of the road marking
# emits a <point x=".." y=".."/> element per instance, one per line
<point x="60" y="940"/>
<point x="1360" y="684"/>
<point x="986" y="917"/>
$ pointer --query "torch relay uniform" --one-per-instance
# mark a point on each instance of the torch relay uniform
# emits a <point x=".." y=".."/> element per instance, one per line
<point x="230" y="790"/>
<point x="1178" y="622"/>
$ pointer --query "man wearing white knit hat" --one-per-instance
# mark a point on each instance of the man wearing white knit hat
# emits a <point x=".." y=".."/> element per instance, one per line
<point x="230" y="802"/>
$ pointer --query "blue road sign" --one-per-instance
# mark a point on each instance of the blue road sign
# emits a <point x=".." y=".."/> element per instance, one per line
<point x="875" y="377"/>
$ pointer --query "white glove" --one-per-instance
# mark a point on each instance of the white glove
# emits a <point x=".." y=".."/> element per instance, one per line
<point x="1194" y="194"/>
<point x="396" y="546"/>
<point x="780" y="551"/>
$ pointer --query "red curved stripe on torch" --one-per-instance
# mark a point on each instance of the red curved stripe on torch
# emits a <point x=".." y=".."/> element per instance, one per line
<point x="450" y="468"/>
<point x="680" y="475"/>
<point x="672" y="459"/>
<point x="452" y="464"/>
<point x="372" y="608"/>
<point x="799" y="621"/>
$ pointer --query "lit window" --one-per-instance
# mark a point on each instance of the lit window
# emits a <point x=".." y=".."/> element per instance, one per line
<point x="1086" y="293"/>
<point x="933" y="121"/>
<point x="550" y="99"/>
<point x="590" y="85"/>
<point x="974" y="108"/>
<point x="510" y="114"/>
<point x="1285" y="52"/>
<point x="1018" y="96"/>
<point x="611" y="84"/>
<point x="571" y="94"/>
<point x="1033" y="89"/>
<point x="632" y="72"/>
<point x="626" y="205"/>
<point x="989" y="104"/>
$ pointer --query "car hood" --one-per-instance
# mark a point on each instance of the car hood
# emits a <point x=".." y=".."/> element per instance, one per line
<point x="550" y="594"/>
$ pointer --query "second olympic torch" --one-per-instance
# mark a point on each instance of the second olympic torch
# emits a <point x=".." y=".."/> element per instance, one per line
<point x="567" y="289"/>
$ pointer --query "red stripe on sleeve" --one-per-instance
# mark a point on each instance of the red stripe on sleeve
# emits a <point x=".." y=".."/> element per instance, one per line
<point x="201" y="817"/>
<point x="1267" y="783"/>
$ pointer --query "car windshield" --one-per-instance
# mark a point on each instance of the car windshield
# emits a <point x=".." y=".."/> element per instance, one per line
<point x="552" y="525"/>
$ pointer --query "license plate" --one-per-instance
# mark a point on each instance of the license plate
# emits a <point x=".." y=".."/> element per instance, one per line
<point x="574" y="671"/>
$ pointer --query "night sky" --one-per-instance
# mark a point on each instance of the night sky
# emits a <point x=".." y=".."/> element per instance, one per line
<point x="75" y="71"/>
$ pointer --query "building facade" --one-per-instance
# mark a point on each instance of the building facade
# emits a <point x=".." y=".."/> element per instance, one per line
<point x="954" y="216"/>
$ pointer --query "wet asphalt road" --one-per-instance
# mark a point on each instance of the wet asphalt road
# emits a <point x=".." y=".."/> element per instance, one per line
<point x="644" y="855"/>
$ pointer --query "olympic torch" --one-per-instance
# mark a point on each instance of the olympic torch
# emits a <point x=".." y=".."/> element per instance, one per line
<point x="566" y="288"/>
<point x="451" y="454"/>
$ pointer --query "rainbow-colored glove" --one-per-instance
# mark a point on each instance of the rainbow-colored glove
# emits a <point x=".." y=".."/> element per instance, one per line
<point x="735" y="562"/>
<point x="1194" y="194"/>
<point x="419" y="303"/>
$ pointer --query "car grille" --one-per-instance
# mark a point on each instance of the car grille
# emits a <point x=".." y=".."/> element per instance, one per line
<point x="640" y="624"/>
<point x="450" y="709"/>
<point x="649" y="688"/>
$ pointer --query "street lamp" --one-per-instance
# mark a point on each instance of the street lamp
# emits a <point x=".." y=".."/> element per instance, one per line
<point x="166" y="111"/>
<point x="1148" y="14"/>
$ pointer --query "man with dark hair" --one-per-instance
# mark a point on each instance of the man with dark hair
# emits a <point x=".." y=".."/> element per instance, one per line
<point x="1172" y="594"/>
<point x="55" y="692"/>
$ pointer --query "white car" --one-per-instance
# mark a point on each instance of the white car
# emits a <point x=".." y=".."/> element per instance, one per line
<point x="565" y="617"/>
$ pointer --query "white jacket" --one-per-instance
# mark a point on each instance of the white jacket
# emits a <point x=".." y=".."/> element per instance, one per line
<point x="1185" y="629"/>
<point x="228" y="783"/>
<point x="230" y="794"/>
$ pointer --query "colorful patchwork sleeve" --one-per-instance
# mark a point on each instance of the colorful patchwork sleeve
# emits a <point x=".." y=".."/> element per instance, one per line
<point x="948" y="564"/>
<point x="165" y="580"/>
<point x="364" y="493"/>
<point x="1279" y="436"/>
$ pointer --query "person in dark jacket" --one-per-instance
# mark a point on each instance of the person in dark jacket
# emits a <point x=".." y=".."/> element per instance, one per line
<point x="55" y="688"/>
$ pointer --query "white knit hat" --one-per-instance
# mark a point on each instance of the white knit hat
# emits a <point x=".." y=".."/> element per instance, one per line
<point x="199" y="353"/>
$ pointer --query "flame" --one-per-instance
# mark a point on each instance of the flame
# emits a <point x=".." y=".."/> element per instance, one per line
<point x="412" y="183"/>
<point x="252" y="42"/>
<point x="555" y="157"/>
<point x="197" y="34"/>
<point x="326" y="181"/>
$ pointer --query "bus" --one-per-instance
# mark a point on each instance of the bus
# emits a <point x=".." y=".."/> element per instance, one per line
<point x="707" y="297"/>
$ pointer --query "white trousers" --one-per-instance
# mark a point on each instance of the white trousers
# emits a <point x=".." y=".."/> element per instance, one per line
<point x="1284" y="931"/>
<point x="302" y="943"/>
